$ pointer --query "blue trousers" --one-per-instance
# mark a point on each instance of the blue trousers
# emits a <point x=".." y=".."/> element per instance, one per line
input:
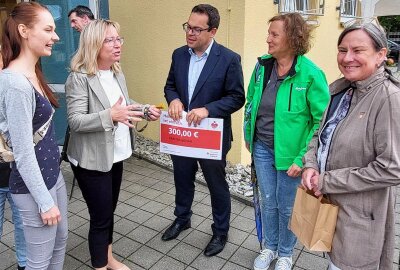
<point x="18" y="227"/>
<point x="277" y="194"/>
<point x="214" y="173"/>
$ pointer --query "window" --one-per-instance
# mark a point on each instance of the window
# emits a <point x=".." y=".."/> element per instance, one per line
<point x="350" y="8"/>
<point x="306" y="7"/>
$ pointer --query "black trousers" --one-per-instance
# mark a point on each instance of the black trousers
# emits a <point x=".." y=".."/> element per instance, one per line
<point x="214" y="173"/>
<point x="100" y="191"/>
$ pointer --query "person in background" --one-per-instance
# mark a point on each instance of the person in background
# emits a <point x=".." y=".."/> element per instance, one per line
<point x="20" y="247"/>
<point x="354" y="158"/>
<point x="79" y="17"/>
<point x="26" y="106"/>
<point x="205" y="80"/>
<point x="286" y="97"/>
<point x="100" y="115"/>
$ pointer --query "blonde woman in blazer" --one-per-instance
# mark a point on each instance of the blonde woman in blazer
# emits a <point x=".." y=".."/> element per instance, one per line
<point x="100" y="116"/>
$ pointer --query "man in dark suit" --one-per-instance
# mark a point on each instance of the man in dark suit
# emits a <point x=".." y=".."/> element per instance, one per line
<point x="205" y="80"/>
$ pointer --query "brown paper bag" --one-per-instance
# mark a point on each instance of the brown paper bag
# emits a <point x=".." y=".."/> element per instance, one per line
<point x="313" y="220"/>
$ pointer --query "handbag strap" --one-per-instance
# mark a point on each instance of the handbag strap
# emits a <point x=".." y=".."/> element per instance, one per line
<point x="41" y="132"/>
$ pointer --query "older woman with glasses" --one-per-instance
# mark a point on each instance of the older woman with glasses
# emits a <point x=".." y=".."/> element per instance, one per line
<point x="353" y="158"/>
<point x="100" y="115"/>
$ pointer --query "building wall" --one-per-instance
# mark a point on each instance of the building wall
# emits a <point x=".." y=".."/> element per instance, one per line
<point x="152" y="30"/>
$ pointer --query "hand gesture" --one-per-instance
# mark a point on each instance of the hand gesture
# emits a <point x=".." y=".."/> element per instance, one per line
<point x="154" y="113"/>
<point x="126" y="114"/>
<point x="51" y="217"/>
<point x="175" y="109"/>
<point x="196" y="115"/>
<point x="310" y="180"/>
<point x="294" y="170"/>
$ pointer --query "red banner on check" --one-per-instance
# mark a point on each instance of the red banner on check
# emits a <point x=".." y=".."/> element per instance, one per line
<point x="189" y="137"/>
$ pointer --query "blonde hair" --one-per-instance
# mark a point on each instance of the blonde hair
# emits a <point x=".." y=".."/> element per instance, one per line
<point x="90" y="43"/>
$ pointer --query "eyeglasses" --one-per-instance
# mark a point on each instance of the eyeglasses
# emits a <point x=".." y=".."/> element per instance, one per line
<point x="195" y="30"/>
<point x="111" y="41"/>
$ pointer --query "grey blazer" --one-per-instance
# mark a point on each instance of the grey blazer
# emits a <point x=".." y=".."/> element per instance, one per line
<point x="89" y="117"/>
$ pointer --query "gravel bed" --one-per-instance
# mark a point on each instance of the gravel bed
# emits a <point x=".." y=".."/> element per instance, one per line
<point x="237" y="175"/>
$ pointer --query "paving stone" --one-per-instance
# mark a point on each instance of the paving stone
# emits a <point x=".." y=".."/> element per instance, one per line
<point x="236" y="236"/>
<point x="145" y="171"/>
<point x="237" y="207"/>
<point x="133" y="177"/>
<point x="137" y="201"/>
<point x="145" y="257"/>
<point x="142" y="234"/>
<point x="135" y="188"/>
<point x="196" y="220"/>
<point x="244" y="257"/>
<point x="160" y="245"/>
<point x="202" y="210"/>
<point x="311" y="262"/>
<point x="125" y="195"/>
<point x="8" y="227"/>
<point x="206" y="200"/>
<point x="123" y="209"/>
<point x="148" y="181"/>
<point x="247" y="212"/>
<point x="185" y="253"/>
<point x="125" y="247"/>
<point x="3" y="247"/>
<point x="228" y="251"/>
<point x="75" y="222"/>
<point x="243" y="224"/>
<point x="165" y="198"/>
<point x="153" y="207"/>
<point x="161" y="175"/>
<point x="209" y="263"/>
<point x="197" y="239"/>
<point x="205" y="226"/>
<point x="7" y="259"/>
<point x="74" y="240"/>
<point x="199" y="196"/>
<point x="150" y="193"/>
<point x="81" y="252"/>
<point x="162" y="186"/>
<point x="233" y="266"/>
<point x="71" y="263"/>
<point x="157" y="223"/>
<point x="124" y="226"/>
<point x="251" y="243"/>
<point x="167" y="213"/>
<point x="139" y="216"/>
<point x="168" y="263"/>
<point x="76" y="206"/>
<point x="132" y="265"/>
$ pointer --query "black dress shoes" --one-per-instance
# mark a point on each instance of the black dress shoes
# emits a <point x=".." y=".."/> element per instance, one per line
<point x="216" y="245"/>
<point x="174" y="230"/>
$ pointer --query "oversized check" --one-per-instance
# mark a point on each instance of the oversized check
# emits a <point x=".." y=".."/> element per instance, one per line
<point x="203" y="141"/>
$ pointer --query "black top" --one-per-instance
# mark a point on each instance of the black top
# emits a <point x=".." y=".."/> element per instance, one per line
<point x="4" y="174"/>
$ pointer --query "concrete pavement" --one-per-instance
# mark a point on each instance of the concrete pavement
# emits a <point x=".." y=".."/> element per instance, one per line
<point x="145" y="209"/>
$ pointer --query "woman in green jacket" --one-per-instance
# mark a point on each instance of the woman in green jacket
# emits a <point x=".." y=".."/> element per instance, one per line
<point x="286" y="97"/>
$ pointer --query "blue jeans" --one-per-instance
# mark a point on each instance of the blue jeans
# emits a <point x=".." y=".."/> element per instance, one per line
<point x="277" y="193"/>
<point x="18" y="227"/>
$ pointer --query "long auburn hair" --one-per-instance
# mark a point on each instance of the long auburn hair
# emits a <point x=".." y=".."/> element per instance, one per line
<point x="24" y="13"/>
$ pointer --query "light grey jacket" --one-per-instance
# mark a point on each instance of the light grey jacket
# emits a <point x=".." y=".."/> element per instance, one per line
<point x="363" y="166"/>
<point x="89" y="117"/>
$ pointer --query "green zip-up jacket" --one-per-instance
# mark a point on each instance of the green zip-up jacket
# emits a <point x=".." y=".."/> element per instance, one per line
<point x="300" y="102"/>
